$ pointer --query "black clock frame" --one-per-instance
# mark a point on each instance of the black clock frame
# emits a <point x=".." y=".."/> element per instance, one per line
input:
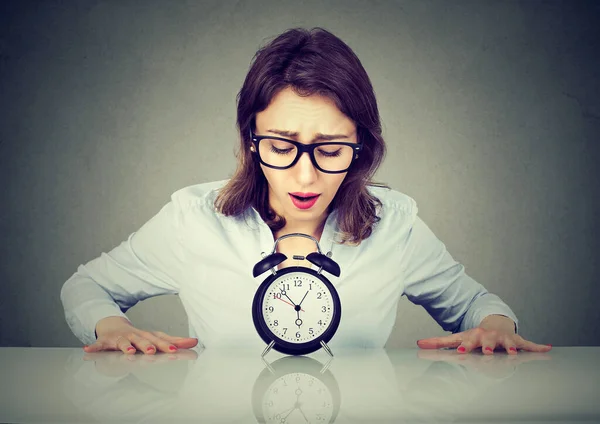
<point x="284" y="346"/>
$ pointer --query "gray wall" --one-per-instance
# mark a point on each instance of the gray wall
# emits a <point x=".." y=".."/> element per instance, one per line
<point x="491" y="113"/>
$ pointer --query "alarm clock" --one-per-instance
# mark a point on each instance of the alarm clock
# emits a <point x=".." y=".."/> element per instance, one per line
<point x="296" y="310"/>
<point x="296" y="389"/>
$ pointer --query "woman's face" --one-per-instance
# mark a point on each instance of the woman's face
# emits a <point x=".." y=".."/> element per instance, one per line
<point x="302" y="119"/>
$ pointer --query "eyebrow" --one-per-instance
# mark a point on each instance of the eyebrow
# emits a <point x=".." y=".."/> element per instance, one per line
<point x="317" y="137"/>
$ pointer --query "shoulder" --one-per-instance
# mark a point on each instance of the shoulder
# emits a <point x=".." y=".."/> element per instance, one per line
<point x="198" y="194"/>
<point x="195" y="205"/>
<point x="394" y="202"/>
<point x="196" y="201"/>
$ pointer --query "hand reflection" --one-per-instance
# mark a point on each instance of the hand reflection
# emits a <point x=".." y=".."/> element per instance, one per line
<point x="497" y="366"/>
<point x="115" y="364"/>
<point x="357" y="386"/>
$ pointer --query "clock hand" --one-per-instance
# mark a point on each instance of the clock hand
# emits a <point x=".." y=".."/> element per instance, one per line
<point x="288" y="303"/>
<point x="283" y="292"/>
<point x="298" y="407"/>
<point x="286" y="410"/>
<point x="299" y="304"/>
<point x="288" y="414"/>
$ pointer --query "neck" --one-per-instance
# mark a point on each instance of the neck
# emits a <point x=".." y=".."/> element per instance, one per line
<point x="312" y="229"/>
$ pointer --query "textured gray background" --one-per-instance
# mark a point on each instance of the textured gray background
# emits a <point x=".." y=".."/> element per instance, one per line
<point x="491" y="114"/>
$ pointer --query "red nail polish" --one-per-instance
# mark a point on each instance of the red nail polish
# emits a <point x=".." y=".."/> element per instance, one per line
<point x="461" y="349"/>
<point x="130" y="348"/>
<point x="512" y="349"/>
<point x="172" y="348"/>
<point x="489" y="349"/>
<point x="150" y="349"/>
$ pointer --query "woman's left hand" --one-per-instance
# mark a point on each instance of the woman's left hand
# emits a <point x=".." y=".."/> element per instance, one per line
<point x="486" y="339"/>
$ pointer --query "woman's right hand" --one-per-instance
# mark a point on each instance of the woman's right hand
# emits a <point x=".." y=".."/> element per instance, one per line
<point x="117" y="333"/>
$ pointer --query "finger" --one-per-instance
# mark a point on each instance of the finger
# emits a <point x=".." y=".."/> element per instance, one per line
<point x="160" y="343"/>
<point x="124" y="345"/>
<point x="142" y="344"/>
<point x="510" y="345"/>
<point x="489" y="340"/>
<point x="186" y="343"/>
<point x="95" y="347"/>
<point x="440" y="342"/>
<point x="533" y="347"/>
<point x="469" y="344"/>
<point x="179" y="342"/>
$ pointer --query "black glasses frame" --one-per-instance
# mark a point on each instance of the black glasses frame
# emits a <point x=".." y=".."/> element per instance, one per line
<point x="301" y="148"/>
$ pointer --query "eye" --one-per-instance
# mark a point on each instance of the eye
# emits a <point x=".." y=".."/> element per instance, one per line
<point x="330" y="153"/>
<point x="280" y="151"/>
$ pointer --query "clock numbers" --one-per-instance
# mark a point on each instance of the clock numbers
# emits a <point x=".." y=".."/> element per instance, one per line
<point x="297" y="397"/>
<point x="291" y="303"/>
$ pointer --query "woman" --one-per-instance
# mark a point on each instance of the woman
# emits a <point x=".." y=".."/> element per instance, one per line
<point x="304" y="87"/>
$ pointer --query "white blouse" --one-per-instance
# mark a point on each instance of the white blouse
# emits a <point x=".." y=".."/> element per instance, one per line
<point x="206" y="258"/>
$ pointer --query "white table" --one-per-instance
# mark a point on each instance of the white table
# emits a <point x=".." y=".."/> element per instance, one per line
<point x="404" y="385"/>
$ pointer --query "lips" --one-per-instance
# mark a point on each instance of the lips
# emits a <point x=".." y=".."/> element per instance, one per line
<point x="304" y="200"/>
<point x="305" y="195"/>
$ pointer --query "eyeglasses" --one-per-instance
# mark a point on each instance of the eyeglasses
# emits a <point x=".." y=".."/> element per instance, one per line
<point x="281" y="153"/>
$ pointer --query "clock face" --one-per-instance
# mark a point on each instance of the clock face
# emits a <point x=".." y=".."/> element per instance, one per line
<point x="297" y="398"/>
<point x="296" y="389"/>
<point x="298" y="307"/>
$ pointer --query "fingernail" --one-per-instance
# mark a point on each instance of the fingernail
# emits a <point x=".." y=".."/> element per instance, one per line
<point x="172" y="348"/>
<point x="461" y="349"/>
<point x="85" y="346"/>
<point x="512" y="349"/>
<point x="549" y="345"/>
<point x="130" y="348"/>
<point x="489" y="349"/>
<point x="150" y="349"/>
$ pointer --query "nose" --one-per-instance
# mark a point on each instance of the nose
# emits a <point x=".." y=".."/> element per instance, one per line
<point x="305" y="169"/>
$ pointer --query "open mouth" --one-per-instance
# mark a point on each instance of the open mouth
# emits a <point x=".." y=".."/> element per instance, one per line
<point x="304" y="199"/>
<point x="304" y="202"/>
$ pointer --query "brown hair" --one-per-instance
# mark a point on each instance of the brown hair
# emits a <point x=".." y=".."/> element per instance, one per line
<point x="310" y="62"/>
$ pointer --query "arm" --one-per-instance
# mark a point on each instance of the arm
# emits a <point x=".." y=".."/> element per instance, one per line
<point x="139" y="268"/>
<point x="499" y="322"/>
<point x="434" y="280"/>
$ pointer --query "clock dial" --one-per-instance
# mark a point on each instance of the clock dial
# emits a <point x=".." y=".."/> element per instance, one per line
<point x="298" y="307"/>
<point x="297" y="398"/>
<point x="296" y="389"/>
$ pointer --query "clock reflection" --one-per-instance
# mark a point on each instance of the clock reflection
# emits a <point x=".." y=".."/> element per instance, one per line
<point x="296" y="389"/>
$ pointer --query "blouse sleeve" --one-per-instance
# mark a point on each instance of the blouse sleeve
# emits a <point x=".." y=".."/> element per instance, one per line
<point x="434" y="280"/>
<point x="140" y="267"/>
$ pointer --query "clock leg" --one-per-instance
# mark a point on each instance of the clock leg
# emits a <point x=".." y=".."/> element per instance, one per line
<point x="324" y="345"/>
<point x="326" y="366"/>
<point x="269" y="367"/>
<point x="267" y="349"/>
